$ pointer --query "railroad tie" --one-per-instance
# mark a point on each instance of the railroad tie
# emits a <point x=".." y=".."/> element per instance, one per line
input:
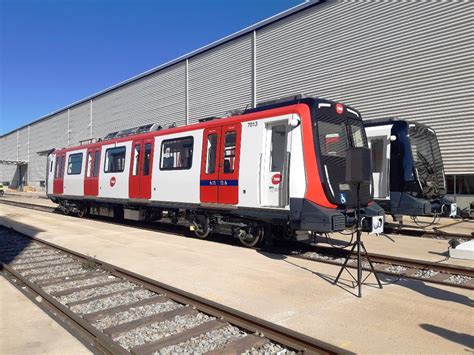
<point x="150" y="348"/>
<point x="238" y="346"/>
<point x="82" y="288"/>
<point x="62" y="279"/>
<point x="154" y="318"/>
<point x="95" y="298"/>
<point x="91" y="317"/>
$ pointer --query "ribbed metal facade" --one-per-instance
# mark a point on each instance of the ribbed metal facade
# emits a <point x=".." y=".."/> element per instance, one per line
<point x="221" y="80"/>
<point x="408" y="59"/>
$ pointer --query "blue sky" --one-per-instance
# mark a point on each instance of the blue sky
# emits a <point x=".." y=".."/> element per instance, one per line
<point x="55" y="52"/>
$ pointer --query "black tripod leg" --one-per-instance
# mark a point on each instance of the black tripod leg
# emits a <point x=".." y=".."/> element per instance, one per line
<point x="371" y="265"/>
<point x="345" y="264"/>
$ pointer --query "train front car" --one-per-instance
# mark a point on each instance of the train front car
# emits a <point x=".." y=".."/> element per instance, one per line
<point x="329" y="201"/>
<point x="408" y="169"/>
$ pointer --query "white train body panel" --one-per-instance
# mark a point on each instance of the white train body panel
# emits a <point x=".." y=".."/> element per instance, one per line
<point x="177" y="185"/>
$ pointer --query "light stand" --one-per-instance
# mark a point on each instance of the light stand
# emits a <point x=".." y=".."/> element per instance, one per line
<point x="357" y="165"/>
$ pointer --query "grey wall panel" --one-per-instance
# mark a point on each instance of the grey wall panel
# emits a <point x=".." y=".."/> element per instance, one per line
<point x="413" y="60"/>
<point x="158" y="98"/>
<point x="8" y="175"/>
<point x="9" y="151"/>
<point x="79" y="123"/>
<point x="45" y="135"/>
<point x="221" y="80"/>
<point x="23" y="144"/>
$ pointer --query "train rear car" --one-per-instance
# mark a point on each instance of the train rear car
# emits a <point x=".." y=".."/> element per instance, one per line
<point x="408" y="171"/>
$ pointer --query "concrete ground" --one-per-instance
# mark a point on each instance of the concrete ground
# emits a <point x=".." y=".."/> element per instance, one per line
<point x="26" y="329"/>
<point x="405" y="317"/>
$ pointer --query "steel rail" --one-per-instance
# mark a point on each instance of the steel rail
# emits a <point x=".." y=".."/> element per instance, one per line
<point x="392" y="260"/>
<point x="289" y="338"/>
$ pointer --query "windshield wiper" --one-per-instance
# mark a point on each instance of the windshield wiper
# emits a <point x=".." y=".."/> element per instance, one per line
<point x="426" y="163"/>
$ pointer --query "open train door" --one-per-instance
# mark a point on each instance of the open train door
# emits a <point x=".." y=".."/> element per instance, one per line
<point x="140" y="169"/>
<point x="91" y="178"/>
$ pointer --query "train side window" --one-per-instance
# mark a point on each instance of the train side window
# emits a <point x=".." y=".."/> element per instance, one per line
<point x="177" y="154"/>
<point x="95" y="173"/>
<point x="211" y="153"/>
<point x="146" y="159"/>
<point x="59" y="173"/>
<point x="51" y="166"/>
<point x="61" y="167"/>
<point x="114" y="160"/>
<point x="229" y="152"/>
<point x="74" y="164"/>
<point x="56" y="171"/>
<point x="89" y="165"/>
<point x="136" y="158"/>
<point x="377" y="154"/>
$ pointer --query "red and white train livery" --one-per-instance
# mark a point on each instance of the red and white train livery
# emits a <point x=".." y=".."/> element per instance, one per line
<point x="277" y="170"/>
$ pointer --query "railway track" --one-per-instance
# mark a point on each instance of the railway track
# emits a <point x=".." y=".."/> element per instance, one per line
<point x="432" y="272"/>
<point x="114" y="311"/>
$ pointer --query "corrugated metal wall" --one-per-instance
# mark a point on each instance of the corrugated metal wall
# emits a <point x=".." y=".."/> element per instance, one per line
<point x="23" y="144"/>
<point x="158" y="98"/>
<point x="44" y="135"/>
<point x="410" y="59"/>
<point x="79" y="123"/>
<point x="221" y="80"/>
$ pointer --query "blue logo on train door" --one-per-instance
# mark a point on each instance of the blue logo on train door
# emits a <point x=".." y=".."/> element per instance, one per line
<point x="342" y="196"/>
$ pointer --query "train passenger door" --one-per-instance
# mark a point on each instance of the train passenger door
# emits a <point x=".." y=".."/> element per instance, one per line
<point x="219" y="181"/>
<point x="141" y="169"/>
<point x="58" y="181"/>
<point x="210" y="165"/>
<point x="274" y="167"/>
<point x="229" y="159"/>
<point x="91" y="178"/>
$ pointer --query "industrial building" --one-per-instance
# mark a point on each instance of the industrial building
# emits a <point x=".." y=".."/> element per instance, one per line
<point x="408" y="59"/>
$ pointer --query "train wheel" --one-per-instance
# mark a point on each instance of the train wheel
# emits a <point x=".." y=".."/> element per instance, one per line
<point x="201" y="227"/>
<point x="81" y="212"/>
<point x="251" y="240"/>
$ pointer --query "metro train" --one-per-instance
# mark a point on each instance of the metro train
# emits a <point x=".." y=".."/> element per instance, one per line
<point x="407" y="168"/>
<point x="275" y="171"/>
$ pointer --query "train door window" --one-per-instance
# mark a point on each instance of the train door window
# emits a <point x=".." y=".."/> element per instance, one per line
<point x="115" y="160"/>
<point x="89" y="165"/>
<point x="358" y="138"/>
<point x="136" y="158"/>
<point x="95" y="173"/>
<point x="61" y="167"/>
<point x="58" y="164"/>
<point x="74" y="165"/>
<point x="278" y="148"/>
<point x="146" y="159"/>
<point x="377" y="154"/>
<point x="229" y="152"/>
<point x="211" y="153"/>
<point x="51" y="166"/>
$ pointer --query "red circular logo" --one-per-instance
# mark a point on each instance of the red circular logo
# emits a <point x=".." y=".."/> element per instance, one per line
<point x="112" y="181"/>
<point x="276" y="179"/>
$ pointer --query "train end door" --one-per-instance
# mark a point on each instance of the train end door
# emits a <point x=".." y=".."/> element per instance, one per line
<point x="141" y="169"/>
<point x="274" y="168"/>
<point x="91" y="177"/>
<point x="58" y="180"/>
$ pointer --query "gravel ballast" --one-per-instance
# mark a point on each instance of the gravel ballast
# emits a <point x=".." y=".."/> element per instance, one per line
<point x="40" y="264"/>
<point x="160" y="330"/>
<point x="206" y="342"/>
<point x="112" y="301"/>
<point x="53" y="269"/>
<point x="69" y="272"/>
<point x="458" y="279"/>
<point x="426" y="274"/>
<point x="135" y="313"/>
<point x="269" y="348"/>
<point x="35" y="260"/>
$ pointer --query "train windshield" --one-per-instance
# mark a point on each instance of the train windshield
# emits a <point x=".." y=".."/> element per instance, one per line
<point x="427" y="160"/>
<point x="337" y="133"/>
